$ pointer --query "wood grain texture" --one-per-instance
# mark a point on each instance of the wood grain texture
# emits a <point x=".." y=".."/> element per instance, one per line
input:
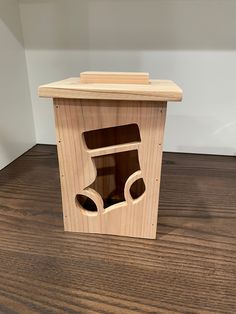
<point x="157" y="90"/>
<point x="190" y="268"/>
<point x="114" y="77"/>
<point x="88" y="103"/>
<point x="129" y="217"/>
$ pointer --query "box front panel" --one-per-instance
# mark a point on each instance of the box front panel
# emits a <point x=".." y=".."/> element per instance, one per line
<point x="110" y="156"/>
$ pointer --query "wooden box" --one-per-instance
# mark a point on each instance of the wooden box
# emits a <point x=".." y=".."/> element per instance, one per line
<point x="110" y="130"/>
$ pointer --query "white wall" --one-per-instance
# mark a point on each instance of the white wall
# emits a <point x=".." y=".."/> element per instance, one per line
<point x="16" y="119"/>
<point x="191" y="42"/>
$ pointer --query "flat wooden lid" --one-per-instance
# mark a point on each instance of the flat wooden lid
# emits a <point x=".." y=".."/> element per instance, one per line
<point x="113" y="85"/>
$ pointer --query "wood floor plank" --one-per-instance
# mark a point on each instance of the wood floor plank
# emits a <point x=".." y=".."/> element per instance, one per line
<point x="189" y="268"/>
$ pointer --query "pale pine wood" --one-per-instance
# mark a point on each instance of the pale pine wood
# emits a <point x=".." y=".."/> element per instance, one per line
<point x="157" y="90"/>
<point x="137" y="218"/>
<point x="114" y="77"/>
<point x="106" y="174"/>
<point x="113" y="149"/>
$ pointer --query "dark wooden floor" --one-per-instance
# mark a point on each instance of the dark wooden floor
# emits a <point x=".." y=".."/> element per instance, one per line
<point x="190" y="268"/>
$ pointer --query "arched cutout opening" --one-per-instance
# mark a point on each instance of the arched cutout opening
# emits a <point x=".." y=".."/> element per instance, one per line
<point x="112" y="173"/>
<point x="86" y="203"/>
<point x="137" y="189"/>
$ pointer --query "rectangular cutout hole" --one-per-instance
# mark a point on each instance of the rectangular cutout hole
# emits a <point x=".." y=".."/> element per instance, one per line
<point x="112" y="136"/>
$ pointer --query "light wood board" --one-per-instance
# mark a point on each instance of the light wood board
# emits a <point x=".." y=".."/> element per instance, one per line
<point x="136" y="218"/>
<point x="114" y="77"/>
<point x="157" y="90"/>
